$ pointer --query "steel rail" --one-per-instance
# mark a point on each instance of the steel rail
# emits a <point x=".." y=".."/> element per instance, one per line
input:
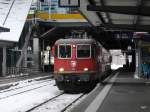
<point x="43" y="103"/>
<point x="63" y="110"/>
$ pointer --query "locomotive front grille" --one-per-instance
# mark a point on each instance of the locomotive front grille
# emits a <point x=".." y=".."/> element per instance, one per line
<point x="74" y="78"/>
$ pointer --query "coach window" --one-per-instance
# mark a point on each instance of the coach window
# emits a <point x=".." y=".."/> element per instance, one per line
<point x="56" y="51"/>
<point x="64" y="51"/>
<point x="83" y="51"/>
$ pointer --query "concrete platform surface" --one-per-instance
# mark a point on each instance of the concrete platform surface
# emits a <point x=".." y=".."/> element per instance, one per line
<point x="121" y="93"/>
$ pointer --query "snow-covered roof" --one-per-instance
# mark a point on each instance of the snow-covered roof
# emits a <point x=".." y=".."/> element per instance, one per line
<point x="13" y="15"/>
<point x="75" y="41"/>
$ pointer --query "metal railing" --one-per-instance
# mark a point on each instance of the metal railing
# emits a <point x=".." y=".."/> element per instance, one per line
<point x="21" y="70"/>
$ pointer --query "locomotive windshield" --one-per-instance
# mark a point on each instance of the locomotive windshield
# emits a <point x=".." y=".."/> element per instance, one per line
<point x="64" y="51"/>
<point x="83" y="51"/>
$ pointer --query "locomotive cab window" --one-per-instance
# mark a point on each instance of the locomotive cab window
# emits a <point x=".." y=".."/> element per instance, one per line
<point x="64" y="51"/>
<point x="83" y="51"/>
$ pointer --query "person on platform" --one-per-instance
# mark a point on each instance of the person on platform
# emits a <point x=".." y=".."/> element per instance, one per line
<point x="145" y="69"/>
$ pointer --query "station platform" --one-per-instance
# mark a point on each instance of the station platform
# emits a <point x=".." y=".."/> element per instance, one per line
<point x="121" y="92"/>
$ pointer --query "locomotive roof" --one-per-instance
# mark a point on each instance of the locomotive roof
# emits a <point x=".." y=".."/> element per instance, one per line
<point x="75" y="41"/>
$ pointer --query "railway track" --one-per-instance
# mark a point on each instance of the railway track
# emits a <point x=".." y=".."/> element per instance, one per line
<point x="23" y="89"/>
<point x="44" y="102"/>
<point x="54" y="100"/>
<point x="7" y="90"/>
<point x="3" y="80"/>
<point x="69" y="105"/>
<point x="39" y="85"/>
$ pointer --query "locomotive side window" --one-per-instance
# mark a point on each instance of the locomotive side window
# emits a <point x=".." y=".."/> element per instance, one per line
<point x="64" y="51"/>
<point x="83" y="51"/>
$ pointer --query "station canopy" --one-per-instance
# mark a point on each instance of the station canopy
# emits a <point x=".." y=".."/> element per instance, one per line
<point x="13" y="15"/>
<point x="132" y="15"/>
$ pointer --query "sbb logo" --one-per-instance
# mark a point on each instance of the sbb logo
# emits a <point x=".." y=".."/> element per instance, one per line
<point x="73" y="64"/>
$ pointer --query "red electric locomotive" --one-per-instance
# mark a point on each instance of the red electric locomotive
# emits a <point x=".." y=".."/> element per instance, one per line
<point x="79" y="64"/>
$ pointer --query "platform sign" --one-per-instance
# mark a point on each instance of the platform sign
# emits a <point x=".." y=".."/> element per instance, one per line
<point x="69" y="3"/>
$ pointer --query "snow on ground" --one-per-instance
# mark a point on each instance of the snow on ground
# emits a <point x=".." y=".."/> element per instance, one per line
<point x="57" y="104"/>
<point x="136" y="76"/>
<point x="118" y="59"/>
<point x="18" y="75"/>
<point x="24" y="101"/>
<point x="114" y="66"/>
<point x="23" y="81"/>
<point x="6" y="93"/>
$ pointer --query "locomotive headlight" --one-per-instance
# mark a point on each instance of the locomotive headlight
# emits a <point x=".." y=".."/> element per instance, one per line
<point x="86" y="69"/>
<point x="61" y="69"/>
<point x="74" y="45"/>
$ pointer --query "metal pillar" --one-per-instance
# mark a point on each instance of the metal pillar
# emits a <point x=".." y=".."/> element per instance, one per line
<point x="138" y="59"/>
<point x="36" y="52"/>
<point x="133" y="67"/>
<point x="4" y="67"/>
<point x="43" y="48"/>
<point x="127" y="62"/>
<point x="27" y="39"/>
<point x="25" y="58"/>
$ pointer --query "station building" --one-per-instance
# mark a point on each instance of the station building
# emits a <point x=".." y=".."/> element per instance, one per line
<point x="29" y="50"/>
